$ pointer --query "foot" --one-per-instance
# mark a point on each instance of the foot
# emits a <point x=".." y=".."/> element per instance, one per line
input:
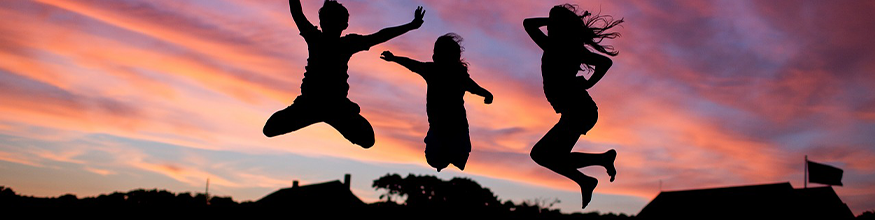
<point x="586" y="189"/>
<point x="461" y="161"/>
<point x="365" y="145"/>
<point x="461" y="166"/>
<point x="611" y="155"/>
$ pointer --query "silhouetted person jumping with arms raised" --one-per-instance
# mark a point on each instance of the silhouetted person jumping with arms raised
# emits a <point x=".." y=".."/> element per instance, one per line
<point x="447" y="141"/>
<point x="565" y="49"/>
<point x="324" y="88"/>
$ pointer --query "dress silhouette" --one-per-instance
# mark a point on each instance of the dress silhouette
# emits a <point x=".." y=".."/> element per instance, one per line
<point x="447" y="141"/>
<point x="565" y="49"/>
<point x="324" y="88"/>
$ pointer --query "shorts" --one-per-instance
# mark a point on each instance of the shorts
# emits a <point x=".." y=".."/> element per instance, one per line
<point x="580" y="121"/>
<point x="317" y="106"/>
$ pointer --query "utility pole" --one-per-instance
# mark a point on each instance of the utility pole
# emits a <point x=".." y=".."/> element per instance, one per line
<point x="207" y="192"/>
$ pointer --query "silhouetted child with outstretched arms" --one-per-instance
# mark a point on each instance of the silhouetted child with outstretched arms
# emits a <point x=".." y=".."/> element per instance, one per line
<point x="565" y="49"/>
<point x="447" y="141"/>
<point x="324" y="88"/>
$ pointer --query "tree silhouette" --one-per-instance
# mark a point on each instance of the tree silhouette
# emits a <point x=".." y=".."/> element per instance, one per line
<point x="8" y="197"/>
<point x="461" y="198"/>
<point x="429" y="191"/>
<point x="424" y="197"/>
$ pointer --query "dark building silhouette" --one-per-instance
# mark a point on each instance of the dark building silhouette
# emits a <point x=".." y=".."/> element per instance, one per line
<point x="334" y="195"/>
<point x="773" y="201"/>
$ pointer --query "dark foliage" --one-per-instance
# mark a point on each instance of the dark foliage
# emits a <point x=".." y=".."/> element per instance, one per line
<point x="138" y="198"/>
<point x="429" y="191"/>
<point x="461" y="198"/>
<point x="425" y="197"/>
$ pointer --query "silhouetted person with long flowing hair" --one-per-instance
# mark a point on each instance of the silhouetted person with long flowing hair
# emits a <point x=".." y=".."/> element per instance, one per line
<point x="566" y="46"/>
<point x="447" y="141"/>
<point x="324" y="88"/>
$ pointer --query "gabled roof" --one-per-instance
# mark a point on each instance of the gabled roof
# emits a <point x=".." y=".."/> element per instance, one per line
<point x="327" y="195"/>
<point x="778" y="200"/>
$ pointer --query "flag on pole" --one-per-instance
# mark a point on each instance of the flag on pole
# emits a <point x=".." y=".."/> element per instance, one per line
<point x="825" y="174"/>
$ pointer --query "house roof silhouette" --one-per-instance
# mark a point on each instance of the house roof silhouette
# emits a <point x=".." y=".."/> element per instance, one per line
<point x="778" y="200"/>
<point x="320" y="196"/>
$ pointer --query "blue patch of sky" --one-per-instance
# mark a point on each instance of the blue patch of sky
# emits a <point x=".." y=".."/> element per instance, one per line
<point x="801" y="140"/>
<point x="861" y="134"/>
<point x="509" y="59"/>
<point x="726" y="116"/>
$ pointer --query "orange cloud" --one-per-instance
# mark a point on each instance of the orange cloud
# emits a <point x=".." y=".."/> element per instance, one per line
<point x="100" y="171"/>
<point x="14" y="158"/>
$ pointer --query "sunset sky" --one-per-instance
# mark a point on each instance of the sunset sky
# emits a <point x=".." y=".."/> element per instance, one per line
<point x="103" y="96"/>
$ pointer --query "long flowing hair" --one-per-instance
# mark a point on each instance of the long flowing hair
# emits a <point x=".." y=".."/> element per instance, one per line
<point x="593" y="28"/>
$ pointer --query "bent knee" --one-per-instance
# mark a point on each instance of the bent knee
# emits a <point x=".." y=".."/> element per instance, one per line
<point x="367" y="145"/>
<point x="269" y="132"/>
<point x="539" y="157"/>
<point x="365" y="142"/>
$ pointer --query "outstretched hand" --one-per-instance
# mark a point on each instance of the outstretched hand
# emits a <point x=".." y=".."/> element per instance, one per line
<point x="488" y="99"/>
<point x="388" y="56"/>
<point x="417" y="17"/>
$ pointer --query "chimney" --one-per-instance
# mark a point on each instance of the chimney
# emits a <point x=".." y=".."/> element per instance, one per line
<point x="295" y="184"/>
<point x="346" y="180"/>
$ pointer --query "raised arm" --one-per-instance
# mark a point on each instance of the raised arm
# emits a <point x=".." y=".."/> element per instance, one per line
<point x="298" y="15"/>
<point x="410" y="64"/>
<point x="601" y="65"/>
<point x="391" y="32"/>
<point x="533" y="28"/>
<point x="475" y="89"/>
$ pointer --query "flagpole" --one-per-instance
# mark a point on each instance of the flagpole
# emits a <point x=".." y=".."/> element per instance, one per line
<point x="805" y="183"/>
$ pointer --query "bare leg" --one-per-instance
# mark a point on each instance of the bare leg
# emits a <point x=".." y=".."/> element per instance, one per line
<point x="553" y="152"/>
<point x="354" y="128"/>
<point x="288" y="120"/>
<point x="580" y="160"/>
<point x="606" y="159"/>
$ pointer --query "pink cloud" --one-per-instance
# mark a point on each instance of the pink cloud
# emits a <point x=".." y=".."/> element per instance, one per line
<point x="20" y="159"/>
